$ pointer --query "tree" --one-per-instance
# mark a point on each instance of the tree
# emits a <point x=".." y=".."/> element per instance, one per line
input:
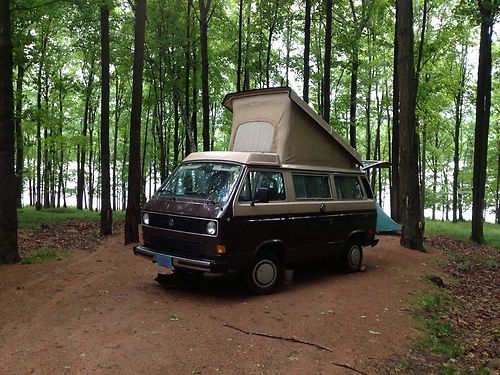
<point x="205" y="101"/>
<point x="133" y="212"/>
<point x="307" y="46"/>
<point x="106" y="212"/>
<point x="8" y="214"/>
<point x="411" y="231"/>
<point x="483" y="105"/>
<point x="328" y="57"/>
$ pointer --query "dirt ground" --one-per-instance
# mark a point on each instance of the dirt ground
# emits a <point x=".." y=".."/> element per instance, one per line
<point x="102" y="312"/>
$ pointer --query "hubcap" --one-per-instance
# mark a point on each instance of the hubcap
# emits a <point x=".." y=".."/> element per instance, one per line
<point x="264" y="273"/>
<point x="354" y="255"/>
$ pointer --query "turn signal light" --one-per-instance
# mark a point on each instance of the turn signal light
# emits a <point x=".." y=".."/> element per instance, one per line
<point x="221" y="249"/>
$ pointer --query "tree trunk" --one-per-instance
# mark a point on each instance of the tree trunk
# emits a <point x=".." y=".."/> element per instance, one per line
<point x="395" y="188"/>
<point x="327" y="66"/>
<point x="80" y="183"/>
<point x="19" y="135"/>
<point x="240" y="43"/>
<point x="106" y="212"/>
<point x="246" y="78"/>
<point x="459" y="99"/>
<point x="272" y="27"/>
<point x="39" y="125"/>
<point x="411" y="231"/>
<point x="118" y="100"/>
<point x="204" y="8"/>
<point x="132" y="216"/>
<point x="483" y="104"/>
<point x="497" y="198"/>
<point x="8" y="214"/>
<point x="307" y="46"/>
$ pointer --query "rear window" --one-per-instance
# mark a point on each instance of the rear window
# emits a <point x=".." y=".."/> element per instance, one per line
<point x="311" y="186"/>
<point x="348" y="187"/>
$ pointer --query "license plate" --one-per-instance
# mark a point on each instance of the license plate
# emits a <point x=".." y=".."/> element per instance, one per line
<point x="164" y="261"/>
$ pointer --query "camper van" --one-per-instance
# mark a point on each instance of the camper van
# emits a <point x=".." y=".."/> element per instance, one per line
<point x="288" y="190"/>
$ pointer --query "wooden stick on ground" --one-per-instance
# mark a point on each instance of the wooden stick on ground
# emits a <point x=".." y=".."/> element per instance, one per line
<point x="294" y="339"/>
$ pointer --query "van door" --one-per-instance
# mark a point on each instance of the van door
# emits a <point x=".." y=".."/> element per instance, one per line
<point x="312" y="222"/>
<point x="256" y="223"/>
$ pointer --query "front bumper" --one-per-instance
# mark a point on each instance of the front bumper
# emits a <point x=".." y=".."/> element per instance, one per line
<point x="204" y="265"/>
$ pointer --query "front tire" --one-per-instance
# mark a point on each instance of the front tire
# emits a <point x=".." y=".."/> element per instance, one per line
<point x="265" y="275"/>
<point x="352" y="258"/>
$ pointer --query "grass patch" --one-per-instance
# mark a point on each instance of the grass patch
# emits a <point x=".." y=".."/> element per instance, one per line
<point x="462" y="230"/>
<point x="29" y="218"/>
<point x="438" y="335"/>
<point x="45" y="254"/>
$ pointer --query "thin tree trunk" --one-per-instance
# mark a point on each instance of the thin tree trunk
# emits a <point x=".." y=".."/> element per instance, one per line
<point x="132" y="216"/>
<point x="497" y="198"/>
<point x="459" y="99"/>
<point x="39" y="124"/>
<point x="272" y="27"/>
<point x="307" y="47"/>
<point x="327" y="64"/>
<point x="240" y="42"/>
<point x="246" y="78"/>
<point x="19" y="135"/>
<point x="395" y="188"/>
<point x="118" y="99"/>
<point x="205" y="103"/>
<point x="106" y="212"/>
<point x="483" y="105"/>
<point x="8" y="214"/>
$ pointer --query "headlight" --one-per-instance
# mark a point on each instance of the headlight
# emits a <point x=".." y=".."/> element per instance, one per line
<point x="145" y="218"/>
<point x="211" y="227"/>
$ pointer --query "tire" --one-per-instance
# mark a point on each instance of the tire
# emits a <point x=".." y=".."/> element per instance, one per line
<point x="265" y="275"/>
<point x="352" y="257"/>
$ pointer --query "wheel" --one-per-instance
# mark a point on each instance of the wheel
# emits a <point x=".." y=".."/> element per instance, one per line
<point x="352" y="258"/>
<point x="266" y="274"/>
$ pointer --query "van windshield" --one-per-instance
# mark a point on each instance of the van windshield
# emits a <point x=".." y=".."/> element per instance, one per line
<point x="211" y="181"/>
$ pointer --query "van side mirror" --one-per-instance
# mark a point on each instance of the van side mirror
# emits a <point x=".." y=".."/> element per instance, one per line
<point x="262" y="196"/>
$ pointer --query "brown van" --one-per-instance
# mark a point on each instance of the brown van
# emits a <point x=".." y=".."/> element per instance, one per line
<point x="289" y="190"/>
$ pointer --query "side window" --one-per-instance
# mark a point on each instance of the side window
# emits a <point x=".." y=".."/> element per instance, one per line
<point x="256" y="179"/>
<point x="368" y="189"/>
<point x="348" y="187"/>
<point x="311" y="187"/>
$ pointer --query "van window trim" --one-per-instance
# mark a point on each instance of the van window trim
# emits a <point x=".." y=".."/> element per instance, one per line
<point x="250" y="168"/>
<point x="315" y="174"/>
<point x="358" y="176"/>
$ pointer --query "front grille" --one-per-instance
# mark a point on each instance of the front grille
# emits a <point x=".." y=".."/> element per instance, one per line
<point x="166" y="244"/>
<point x="179" y="223"/>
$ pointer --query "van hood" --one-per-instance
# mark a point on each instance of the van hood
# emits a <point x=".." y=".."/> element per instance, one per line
<point x="185" y="207"/>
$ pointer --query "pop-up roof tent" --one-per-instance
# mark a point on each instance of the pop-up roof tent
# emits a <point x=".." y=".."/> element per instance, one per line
<point x="277" y="120"/>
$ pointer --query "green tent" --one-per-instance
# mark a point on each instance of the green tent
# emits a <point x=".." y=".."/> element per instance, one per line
<point x="385" y="225"/>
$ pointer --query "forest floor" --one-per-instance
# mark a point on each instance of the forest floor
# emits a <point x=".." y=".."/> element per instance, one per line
<point x="99" y="310"/>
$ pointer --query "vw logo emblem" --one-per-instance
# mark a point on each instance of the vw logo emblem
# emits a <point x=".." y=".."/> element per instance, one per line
<point x="170" y="223"/>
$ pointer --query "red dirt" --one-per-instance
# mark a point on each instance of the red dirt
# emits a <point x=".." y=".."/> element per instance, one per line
<point x="102" y="312"/>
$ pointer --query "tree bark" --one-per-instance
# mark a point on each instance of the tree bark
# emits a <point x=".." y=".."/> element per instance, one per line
<point x="483" y="105"/>
<point x="395" y="188"/>
<point x="19" y="135"/>
<point x="204" y="8"/>
<point x="8" y="214"/>
<point x="240" y="43"/>
<point x="411" y="231"/>
<point x="133" y="213"/>
<point x="327" y="64"/>
<point x="106" y="212"/>
<point x="307" y="47"/>
<point x="459" y="99"/>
